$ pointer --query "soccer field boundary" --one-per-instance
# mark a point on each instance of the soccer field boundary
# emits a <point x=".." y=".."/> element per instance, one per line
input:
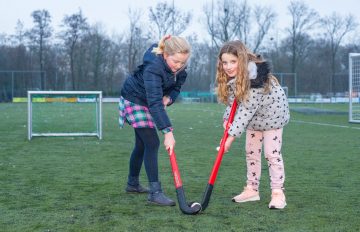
<point x="325" y="124"/>
<point x="291" y="121"/>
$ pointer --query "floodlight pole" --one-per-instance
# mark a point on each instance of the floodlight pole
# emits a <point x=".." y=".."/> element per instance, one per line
<point x="212" y="71"/>
<point x="12" y="86"/>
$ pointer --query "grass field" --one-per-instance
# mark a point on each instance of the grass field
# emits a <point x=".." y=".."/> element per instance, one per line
<point x="77" y="184"/>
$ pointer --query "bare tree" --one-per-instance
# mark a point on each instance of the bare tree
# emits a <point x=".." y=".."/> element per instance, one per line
<point x="20" y="34"/>
<point x="135" y="42"/>
<point x="244" y="21"/>
<point x="230" y="19"/>
<point x="39" y="35"/>
<point x="98" y="50"/>
<point x="75" y="27"/>
<point x="264" y="18"/>
<point x="223" y="20"/>
<point x="168" y="19"/>
<point x="304" y="20"/>
<point x="200" y="76"/>
<point x="18" y="41"/>
<point x="335" y="29"/>
<point x="115" y="66"/>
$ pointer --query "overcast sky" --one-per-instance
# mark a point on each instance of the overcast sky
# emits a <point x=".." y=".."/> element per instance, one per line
<point x="113" y="14"/>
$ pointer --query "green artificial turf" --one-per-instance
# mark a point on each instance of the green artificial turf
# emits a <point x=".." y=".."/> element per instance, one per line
<point x="77" y="183"/>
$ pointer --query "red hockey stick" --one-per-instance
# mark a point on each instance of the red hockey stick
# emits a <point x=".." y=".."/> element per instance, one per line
<point x="191" y="208"/>
<point x="213" y="175"/>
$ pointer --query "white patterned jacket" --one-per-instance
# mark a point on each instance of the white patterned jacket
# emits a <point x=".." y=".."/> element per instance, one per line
<point x="261" y="111"/>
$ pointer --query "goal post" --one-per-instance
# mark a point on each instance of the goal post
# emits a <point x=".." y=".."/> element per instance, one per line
<point x="64" y="113"/>
<point x="354" y="87"/>
<point x="288" y="82"/>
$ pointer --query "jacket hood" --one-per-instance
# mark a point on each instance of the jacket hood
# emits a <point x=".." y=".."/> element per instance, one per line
<point x="263" y="70"/>
<point x="258" y="74"/>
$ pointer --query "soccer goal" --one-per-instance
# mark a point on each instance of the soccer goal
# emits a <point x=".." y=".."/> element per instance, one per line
<point x="289" y="81"/>
<point x="64" y="113"/>
<point x="354" y="87"/>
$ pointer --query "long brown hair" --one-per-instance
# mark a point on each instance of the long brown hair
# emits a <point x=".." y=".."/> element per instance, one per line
<point x="242" y="81"/>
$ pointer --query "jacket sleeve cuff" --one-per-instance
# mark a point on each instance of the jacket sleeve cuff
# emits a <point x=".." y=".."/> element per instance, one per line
<point x="173" y="95"/>
<point x="167" y="130"/>
<point x="171" y="101"/>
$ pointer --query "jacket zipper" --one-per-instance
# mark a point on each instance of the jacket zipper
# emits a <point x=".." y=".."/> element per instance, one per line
<point x="182" y="68"/>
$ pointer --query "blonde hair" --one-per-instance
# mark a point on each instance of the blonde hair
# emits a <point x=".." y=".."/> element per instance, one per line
<point x="172" y="45"/>
<point x="242" y="81"/>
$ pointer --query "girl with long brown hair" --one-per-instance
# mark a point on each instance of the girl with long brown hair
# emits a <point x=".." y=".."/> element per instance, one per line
<point x="263" y="111"/>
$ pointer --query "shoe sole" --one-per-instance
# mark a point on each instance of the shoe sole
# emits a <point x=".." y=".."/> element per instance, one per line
<point x="255" y="198"/>
<point x="135" y="192"/>
<point x="130" y="190"/>
<point x="277" y="207"/>
<point x="155" y="203"/>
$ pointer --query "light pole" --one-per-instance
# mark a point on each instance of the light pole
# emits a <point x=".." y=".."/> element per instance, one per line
<point x="212" y="68"/>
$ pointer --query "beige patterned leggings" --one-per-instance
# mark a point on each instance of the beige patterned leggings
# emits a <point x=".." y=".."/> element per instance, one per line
<point x="272" y="140"/>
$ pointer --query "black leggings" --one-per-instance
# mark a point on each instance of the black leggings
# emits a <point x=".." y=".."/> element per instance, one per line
<point x="146" y="149"/>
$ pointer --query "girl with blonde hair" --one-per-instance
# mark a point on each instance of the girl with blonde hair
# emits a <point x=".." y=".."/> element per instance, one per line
<point x="153" y="86"/>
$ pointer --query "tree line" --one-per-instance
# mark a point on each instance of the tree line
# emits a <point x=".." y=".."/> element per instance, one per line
<point x="312" y="50"/>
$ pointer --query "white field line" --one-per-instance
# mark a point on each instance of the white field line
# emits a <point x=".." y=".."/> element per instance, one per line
<point x="325" y="124"/>
<point x="296" y="121"/>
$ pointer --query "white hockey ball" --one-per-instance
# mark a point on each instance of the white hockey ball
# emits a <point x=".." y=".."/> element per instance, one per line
<point x="194" y="204"/>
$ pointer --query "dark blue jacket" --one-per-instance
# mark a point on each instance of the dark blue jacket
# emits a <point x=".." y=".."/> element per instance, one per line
<point x="150" y="82"/>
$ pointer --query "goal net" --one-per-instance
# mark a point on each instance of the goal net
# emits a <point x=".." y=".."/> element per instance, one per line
<point x="354" y="87"/>
<point x="64" y="113"/>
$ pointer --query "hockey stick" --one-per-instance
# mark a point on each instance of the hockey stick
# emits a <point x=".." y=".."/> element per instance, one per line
<point x="191" y="208"/>
<point x="213" y="175"/>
